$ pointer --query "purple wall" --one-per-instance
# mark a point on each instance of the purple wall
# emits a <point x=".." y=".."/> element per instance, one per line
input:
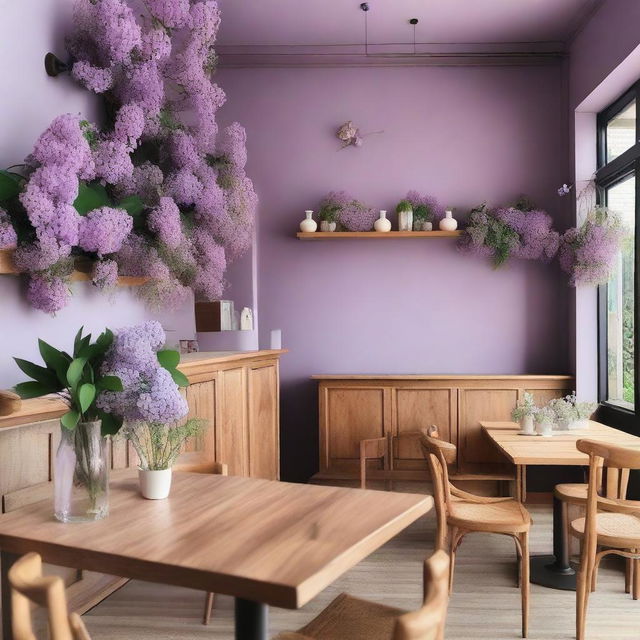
<point x="462" y="134"/>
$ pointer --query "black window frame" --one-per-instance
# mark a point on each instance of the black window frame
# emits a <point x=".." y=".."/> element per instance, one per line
<point x="607" y="175"/>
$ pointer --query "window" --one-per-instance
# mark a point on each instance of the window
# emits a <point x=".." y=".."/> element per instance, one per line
<point x="617" y="181"/>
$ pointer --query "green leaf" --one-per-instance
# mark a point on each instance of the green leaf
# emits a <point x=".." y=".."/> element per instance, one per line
<point x="105" y="340"/>
<point x="84" y="350"/>
<point x="70" y="419"/>
<point x="179" y="378"/>
<point x="133" y="205"/>
<point x="74" y="372"/>
<point x="86" y="395"/>
<point x="110" y="424"/>
<point x="9" y="185"/>
<point x="56" y="360"/>
<point x="168" y="358"/>
<point x="31" y="389"/>
<point x="91" y="196"/>
<point x="109" y="383"/>
<point x="77" y="340"/>
<point x="44" y="376"/>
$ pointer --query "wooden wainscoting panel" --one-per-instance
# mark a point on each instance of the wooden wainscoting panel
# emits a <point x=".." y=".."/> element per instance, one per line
<point x="355" y="414"/>
<point x="417" y="408"/>
<point x="232" y="446"/>
<point x="201" y="397"/>
<point x="542" y="396"/>
<point x="263" y="424"/>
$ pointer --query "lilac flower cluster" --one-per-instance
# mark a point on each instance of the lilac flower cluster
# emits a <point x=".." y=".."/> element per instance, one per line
<point x="435" y="211"/>
<point x="150" y="394"/>
<point x="351" y="214"/>
<point x="164" y="220"/>
<point x="105" y="274"/>
<point x="537" y="239"/>
<point x="103" y="230"/>
<point x="588" y="253"/>
<point x="48" y="293"/>
<point x="8" y="237"/>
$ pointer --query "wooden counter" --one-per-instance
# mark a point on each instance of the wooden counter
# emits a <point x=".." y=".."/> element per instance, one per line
<point x="356" y="407"/>
<point x="236" y="392"/>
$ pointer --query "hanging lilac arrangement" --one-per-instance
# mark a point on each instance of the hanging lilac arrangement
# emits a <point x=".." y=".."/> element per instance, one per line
<point x="510" y="232"/>
<point x="588" y="252"/>
<point x="351" y="214"/>
<point x="159" y="192"/>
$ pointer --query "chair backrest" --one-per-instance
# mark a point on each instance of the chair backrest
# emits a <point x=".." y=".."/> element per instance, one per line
<point x="438" y="454"/>
<point x="29" y="585"/>
<point x="612" y="457"/>
<point x="427" y="623"/>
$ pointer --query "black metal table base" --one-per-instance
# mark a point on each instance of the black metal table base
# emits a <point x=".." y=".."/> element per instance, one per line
<point x="546" y="572"/>
<point x="251" y="620"/>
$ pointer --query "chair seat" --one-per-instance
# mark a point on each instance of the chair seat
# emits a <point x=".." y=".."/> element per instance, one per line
<point x="572" y="493"/>
<point x="494" y="517"/>
<point x="349" y="618"/>
<point x="618" y="530"/>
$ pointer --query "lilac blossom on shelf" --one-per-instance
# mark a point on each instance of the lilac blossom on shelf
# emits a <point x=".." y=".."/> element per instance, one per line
<point x="537" y="240"/>
<point x="105" y="274"/>
<point x="103" y="230"/>
<point x="150" y="394"/>
<point x="435" y="209"/>
<point x="8" y="236"/>
<point x="588" y="253"/>
<point x="351" y="214"/>
<point x="48" y="293"/>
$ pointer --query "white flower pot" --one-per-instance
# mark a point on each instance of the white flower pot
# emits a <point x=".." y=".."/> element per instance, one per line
<point x="427" y="226"/>
<point x="308" y="225"/>
<point x="382" y="225"/>
<point x="325" y="225"/>
<point x="405" y="221"/>
<point x="448" y="223"/>
<point x="544" y="428"/>
<point x="527" y="426"/>
<point x="154" y="485"/>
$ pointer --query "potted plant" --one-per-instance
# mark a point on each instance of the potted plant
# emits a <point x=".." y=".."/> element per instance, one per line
<point x="81" y="469"/>
<point x="328" y="216"/>
<point x="564" y="411"/>
<point x="404" y="209"/>
<point x="524" y="413"/>
<point x="422" y="218"/>
<point x="544" y="419"/>
<point x="158" y="445"/>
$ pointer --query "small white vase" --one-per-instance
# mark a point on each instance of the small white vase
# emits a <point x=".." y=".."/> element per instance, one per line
<point x="527" y="426"/>
<point x="405" y="221"/>
<point x="448" y="223"/>
<point x="382" y="224"/>
<point x="325" y="225"/>
<point x="154" y="485"/>
<point x="308" y="225"/>
<point x="544" y="428"/>
<point x="427" y="226"/>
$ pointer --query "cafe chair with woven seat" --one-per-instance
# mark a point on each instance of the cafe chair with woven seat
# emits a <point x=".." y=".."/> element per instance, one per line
<point x="460" y="513"/>
<point x="29" y="585"/>
<point x="217" y="468"/>
<point x="349" y="618"/>
<point x="611" y="525"/>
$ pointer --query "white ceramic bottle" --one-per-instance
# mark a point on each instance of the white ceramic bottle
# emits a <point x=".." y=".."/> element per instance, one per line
<point x="382" y="224"/>
<point x="308" y="225"/>
<point x="448" y="223"/>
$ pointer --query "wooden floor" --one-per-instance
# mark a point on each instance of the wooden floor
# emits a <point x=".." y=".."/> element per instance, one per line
<point x="485" y="602"/>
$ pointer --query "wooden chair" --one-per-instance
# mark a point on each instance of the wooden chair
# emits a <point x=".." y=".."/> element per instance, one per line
<point x="204" y="467"/>
<point x="460" y="513"/>
<point x="349" y="618"/>
<point x="612" y="524"/>
<point x="29" y="585"/>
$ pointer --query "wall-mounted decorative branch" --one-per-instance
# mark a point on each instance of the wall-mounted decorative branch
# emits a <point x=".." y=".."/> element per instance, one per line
<point x="54" y="66"/>
<point x="350" y="135"/>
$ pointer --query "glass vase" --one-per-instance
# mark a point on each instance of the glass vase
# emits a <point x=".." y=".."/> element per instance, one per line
<point x="81" y="474"/>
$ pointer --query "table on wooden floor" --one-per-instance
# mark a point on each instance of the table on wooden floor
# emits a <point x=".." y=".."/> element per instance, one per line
<point x="556" y="450"/>
<point x="264" y="542"/>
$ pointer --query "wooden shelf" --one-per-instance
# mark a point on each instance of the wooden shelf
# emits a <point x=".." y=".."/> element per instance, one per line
<point x="325" y="235"/>
<point x="7" y="267"/>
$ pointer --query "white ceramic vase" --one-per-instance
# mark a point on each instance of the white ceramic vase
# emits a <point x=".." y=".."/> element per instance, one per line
<point x="154" y="485"/>
<point x="405" y="221"/>
<point x="308" y="225"/>
<point x="544" y="428"/>
<point x="448" y="223"/>
<point x="527" y="426"/>
<point x="325" y="225"/>
<point x="382" y="224"/>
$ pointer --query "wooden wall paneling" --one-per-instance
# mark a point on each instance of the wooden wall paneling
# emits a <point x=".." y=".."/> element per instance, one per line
<point x="354" y="414"/>
<point x="475" y="452"/>
<point x="201" y="398"/>
<point x="417" y="407"/>
<point x="542" y="396"/>
<point x="231" y="444"/>
<point x="262" y="385"/>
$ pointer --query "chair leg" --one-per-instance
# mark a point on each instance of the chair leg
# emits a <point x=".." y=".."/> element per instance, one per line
<point x="628" y="575"/>
<point x="453" y="543"/>
<point x="519" y="562"/>
<point x="208" y="606"/>
<point x="636" y="579"/>
<point x="582" y="595"/>
<point x="524" y="581"/>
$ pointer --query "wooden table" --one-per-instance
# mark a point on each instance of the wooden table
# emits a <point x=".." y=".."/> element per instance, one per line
<point x="557" y="450"/>
<point x="264" y="542"/>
